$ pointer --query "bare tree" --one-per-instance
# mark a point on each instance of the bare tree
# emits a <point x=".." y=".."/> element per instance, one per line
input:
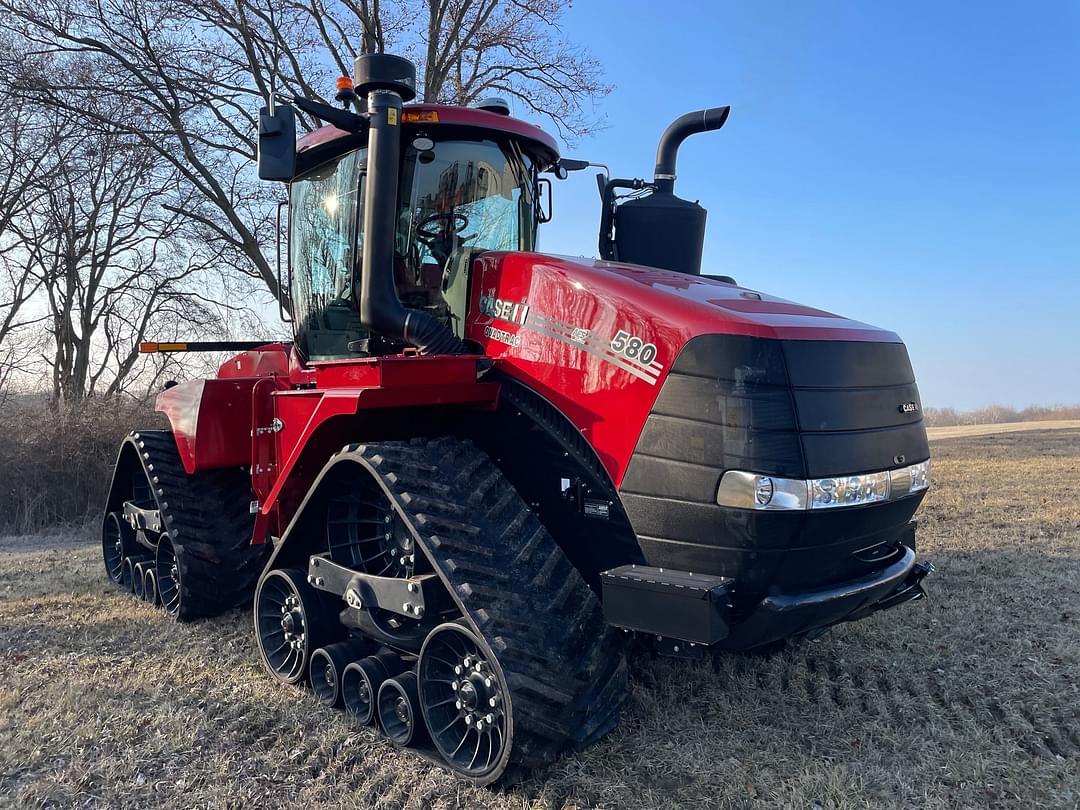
<point x="102" y="238"/>
<point x="25" y="143"/>
<point x="187" y="78"/>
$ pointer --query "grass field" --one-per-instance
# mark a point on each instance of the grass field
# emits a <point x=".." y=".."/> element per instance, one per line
<point x="970" y="699"/>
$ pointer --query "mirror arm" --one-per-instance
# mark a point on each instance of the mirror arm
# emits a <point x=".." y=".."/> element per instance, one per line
<point x="342" y="119"/>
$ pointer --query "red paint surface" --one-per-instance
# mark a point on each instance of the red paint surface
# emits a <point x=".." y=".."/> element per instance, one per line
<point x="608" y="404"/>
<point x="211" y="420"/>
<point x="539" y="141"/>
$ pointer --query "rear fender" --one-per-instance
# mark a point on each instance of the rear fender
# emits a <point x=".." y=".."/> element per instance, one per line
<point x="211" y="421"/>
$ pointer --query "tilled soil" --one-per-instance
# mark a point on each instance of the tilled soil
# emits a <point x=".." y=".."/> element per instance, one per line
<point x="969" y="699"/>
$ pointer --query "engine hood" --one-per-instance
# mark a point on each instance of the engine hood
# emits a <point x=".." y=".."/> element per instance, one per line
<point x="599" y="339"/>
<point x="739" y="310"/>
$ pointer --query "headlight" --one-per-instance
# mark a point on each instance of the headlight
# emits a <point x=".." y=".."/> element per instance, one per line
<point x="746" y="490"/>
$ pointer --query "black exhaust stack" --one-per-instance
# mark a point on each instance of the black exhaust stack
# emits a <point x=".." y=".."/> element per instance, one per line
<point x="388" y="81"/>
<point x="660" y="229"/>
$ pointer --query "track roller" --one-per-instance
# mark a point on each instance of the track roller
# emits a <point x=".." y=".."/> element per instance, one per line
<point x="150" y="588"/>
<point x="292" y="619"/>
<point x="398" y="706"/>
<point x="138" y="578"/>
<point x="128" y="574"/>
<point x="328" y="665"/>
<point x="361" y="681"/>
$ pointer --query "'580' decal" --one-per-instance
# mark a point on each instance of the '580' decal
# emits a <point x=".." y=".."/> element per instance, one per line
<point x="633" y="348"/>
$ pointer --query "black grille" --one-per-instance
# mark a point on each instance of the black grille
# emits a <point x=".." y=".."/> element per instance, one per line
<point x="796" y="409"/>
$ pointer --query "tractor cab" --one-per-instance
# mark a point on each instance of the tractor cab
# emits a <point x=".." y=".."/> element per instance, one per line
<point x="458" y="196"/>
<point x="388" y="209"/>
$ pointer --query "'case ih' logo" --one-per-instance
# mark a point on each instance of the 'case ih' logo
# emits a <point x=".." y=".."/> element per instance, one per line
<point x="509" y="311"/>
<point x="909" y="407"/>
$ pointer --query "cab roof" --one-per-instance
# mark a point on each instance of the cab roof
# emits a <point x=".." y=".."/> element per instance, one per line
<point x="438" y="115"/>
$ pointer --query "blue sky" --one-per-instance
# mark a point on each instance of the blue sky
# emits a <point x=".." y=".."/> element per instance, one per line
<point x="912" y="165"/>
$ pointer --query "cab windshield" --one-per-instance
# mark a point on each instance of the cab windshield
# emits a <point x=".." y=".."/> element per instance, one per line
<point x="456" y="199"/>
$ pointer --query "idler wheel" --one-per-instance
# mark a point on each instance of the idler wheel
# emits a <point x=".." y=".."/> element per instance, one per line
<point x="361" y="681"/>
<point x="465" y="701"/>
<point x="399" y="715"/>
<point x="168" y="576"/>
<point x="292" y="620"/>
<point x="117" y="542"/>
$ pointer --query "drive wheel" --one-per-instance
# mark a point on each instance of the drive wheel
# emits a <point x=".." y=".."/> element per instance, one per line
<point x="464" y="701"/>
<point x="291" y="622"/>
<point x="117" y="542"/>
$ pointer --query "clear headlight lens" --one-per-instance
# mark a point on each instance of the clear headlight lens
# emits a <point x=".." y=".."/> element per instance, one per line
<point x="849" y="490"/>
<point x="746" y="490"/>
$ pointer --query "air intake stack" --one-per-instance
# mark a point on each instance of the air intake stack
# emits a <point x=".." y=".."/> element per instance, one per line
<point x="387" y="81"/>
<point x="660" y="229"/>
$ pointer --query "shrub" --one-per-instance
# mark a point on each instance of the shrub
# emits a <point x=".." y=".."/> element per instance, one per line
<point x="56" y="460"/>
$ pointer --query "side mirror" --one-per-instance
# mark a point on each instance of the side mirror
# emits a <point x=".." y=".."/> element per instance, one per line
<point x="277" y="143"/>
<point x="572" y="165"/>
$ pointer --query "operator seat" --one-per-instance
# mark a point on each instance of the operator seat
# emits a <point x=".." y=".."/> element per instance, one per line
<point x="455" y="285"/>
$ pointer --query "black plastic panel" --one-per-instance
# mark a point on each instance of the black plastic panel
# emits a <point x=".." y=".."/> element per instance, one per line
<point x="846" y="364"/>
<point x="856" y="408"/>
<point x="829" y="454"/>
<point x="728" y="404"/>
<point x="737" y="358"/>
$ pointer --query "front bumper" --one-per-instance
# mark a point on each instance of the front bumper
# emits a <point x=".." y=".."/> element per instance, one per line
<point x="674" y="605"/>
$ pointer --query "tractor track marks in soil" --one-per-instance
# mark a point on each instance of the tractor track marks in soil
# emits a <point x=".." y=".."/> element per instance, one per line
<point x="905" y="698"/>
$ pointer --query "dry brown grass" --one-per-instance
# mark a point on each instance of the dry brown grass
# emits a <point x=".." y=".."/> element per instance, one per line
<point x="961" y="431"/>
<point x="970" y="699"/>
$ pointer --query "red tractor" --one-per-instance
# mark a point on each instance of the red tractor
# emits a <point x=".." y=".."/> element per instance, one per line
<point x="478" y="470"/>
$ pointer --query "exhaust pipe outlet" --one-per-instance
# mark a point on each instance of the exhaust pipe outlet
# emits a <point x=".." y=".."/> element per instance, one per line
<point x="389" y="81"/>
<point x="678" y="131"/>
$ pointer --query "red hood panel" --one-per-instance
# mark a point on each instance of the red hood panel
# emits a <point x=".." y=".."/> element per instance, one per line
<point x="598" y="338"/>
<point x="739" y="310"/>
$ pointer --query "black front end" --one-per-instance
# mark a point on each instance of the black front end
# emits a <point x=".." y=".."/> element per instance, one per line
<point x="798" y="411"/>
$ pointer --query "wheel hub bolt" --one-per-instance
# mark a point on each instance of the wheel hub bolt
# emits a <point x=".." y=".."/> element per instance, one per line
<point x="468" y="719"/>
<point x="458" y="704"/>
<point x="490" y="719"/>
<point x="493" y="701"/>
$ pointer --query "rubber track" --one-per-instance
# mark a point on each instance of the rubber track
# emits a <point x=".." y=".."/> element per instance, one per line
<point x="564" y="667"/>
<point x="207" y="517"/>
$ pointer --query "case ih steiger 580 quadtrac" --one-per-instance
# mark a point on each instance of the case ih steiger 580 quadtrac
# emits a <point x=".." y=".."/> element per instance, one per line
<point x="477" y="470"/>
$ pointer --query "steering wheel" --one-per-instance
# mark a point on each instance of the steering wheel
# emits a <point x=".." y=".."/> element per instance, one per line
<point x="455" y="221"/>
